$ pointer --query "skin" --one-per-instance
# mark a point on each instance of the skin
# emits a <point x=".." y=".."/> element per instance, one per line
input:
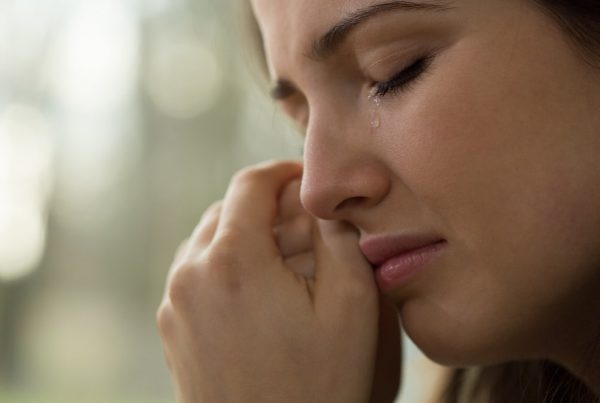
<point x="231" y="280"/>
<point x="494" y="149"/>
<point x="293" y="234"/>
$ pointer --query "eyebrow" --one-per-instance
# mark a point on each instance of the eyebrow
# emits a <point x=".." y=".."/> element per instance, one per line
<point x="334" y="38"/>
<point x="329" y="43"/>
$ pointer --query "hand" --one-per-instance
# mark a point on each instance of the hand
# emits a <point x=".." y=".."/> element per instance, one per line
<point x="293" y="232"/>
<point x="239" y="326"/>
<point x="293" y="235"/>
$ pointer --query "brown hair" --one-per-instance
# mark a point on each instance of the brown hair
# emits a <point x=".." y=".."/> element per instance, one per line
<point x="581" y="20"/>
<point x="519" y="381"/>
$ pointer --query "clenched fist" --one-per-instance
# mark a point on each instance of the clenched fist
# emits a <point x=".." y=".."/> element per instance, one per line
<point x="264" y="303"/>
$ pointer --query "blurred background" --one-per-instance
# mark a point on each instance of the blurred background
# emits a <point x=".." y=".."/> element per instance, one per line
<point x="120" y="122"/>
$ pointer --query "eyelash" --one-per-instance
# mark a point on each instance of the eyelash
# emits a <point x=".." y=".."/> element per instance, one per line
<point x="402" y="80"/>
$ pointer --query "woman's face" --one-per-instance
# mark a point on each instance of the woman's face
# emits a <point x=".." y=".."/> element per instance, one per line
<point x="490" y="139"/>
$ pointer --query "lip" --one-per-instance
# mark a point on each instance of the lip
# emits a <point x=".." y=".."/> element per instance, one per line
<point x="396" y="259"/>
<point x="379" y="249"/>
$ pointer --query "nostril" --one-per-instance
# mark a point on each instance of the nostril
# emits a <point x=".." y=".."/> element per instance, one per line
<point x="350" y="202"/>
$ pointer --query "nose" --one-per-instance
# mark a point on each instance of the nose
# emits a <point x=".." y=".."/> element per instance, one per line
<point x="343" y="173"/>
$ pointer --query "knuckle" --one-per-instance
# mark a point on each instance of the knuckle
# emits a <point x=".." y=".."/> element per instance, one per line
<point x="182" y="249"/>
<point x="217" y="268"/>
<point x="221" y="268"/>
<point x="182" y="284"/>
<point x="246" y="175"/>
<point x="228" y="239"/>
<point x="213" y="209"/>
<point x="165" y="319"/>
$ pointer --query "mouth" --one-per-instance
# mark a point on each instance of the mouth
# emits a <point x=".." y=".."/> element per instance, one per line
<point x="395" y="260"/>
<point x="379" y="249"/>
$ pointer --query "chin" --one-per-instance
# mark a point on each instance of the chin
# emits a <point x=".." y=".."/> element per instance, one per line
<point x="451" y="342"/>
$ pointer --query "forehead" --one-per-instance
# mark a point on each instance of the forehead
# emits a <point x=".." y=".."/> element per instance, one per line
<point x="290" y="26"/>
<point x="294" y="13"/>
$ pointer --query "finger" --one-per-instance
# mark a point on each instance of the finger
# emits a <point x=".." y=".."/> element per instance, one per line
<point x="338" y="255"/>
<point x="205" y="230"/>
<point x="180" y="255"/>
<point x="200" y="238"/>
<point x="289" y="202"/>
<point x="302" y="264"/>
<point x="341" y="270"/>
<point x="294" y="236"/>
<point x="181" y="250"/>
<point x="251" y="203"/>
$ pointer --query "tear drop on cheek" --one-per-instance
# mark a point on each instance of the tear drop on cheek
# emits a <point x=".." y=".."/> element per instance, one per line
<point x="375" y="120"/>
<point x="375" y="104"/>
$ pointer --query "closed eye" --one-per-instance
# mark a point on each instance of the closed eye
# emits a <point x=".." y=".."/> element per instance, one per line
<point x="404" y="79"/>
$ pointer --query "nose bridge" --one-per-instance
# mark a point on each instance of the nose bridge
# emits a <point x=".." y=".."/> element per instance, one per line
<point x="341" y="168"/>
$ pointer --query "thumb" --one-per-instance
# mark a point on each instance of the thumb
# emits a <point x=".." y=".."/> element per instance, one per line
<point x="341" y="272"/>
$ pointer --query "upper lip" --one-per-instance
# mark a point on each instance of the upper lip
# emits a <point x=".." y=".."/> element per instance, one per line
<point x="378" y="249"/>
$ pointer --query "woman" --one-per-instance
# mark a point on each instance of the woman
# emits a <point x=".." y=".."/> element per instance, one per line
<point x="450" y="172"/>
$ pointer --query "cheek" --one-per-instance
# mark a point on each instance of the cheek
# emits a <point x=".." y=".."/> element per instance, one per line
<point x="509" y="159"/>
<point x="501" y="154"/>
<point x="509" y="167"/>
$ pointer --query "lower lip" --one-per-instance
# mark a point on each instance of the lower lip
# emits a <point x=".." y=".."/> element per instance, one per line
<point x="397" y="270"/>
